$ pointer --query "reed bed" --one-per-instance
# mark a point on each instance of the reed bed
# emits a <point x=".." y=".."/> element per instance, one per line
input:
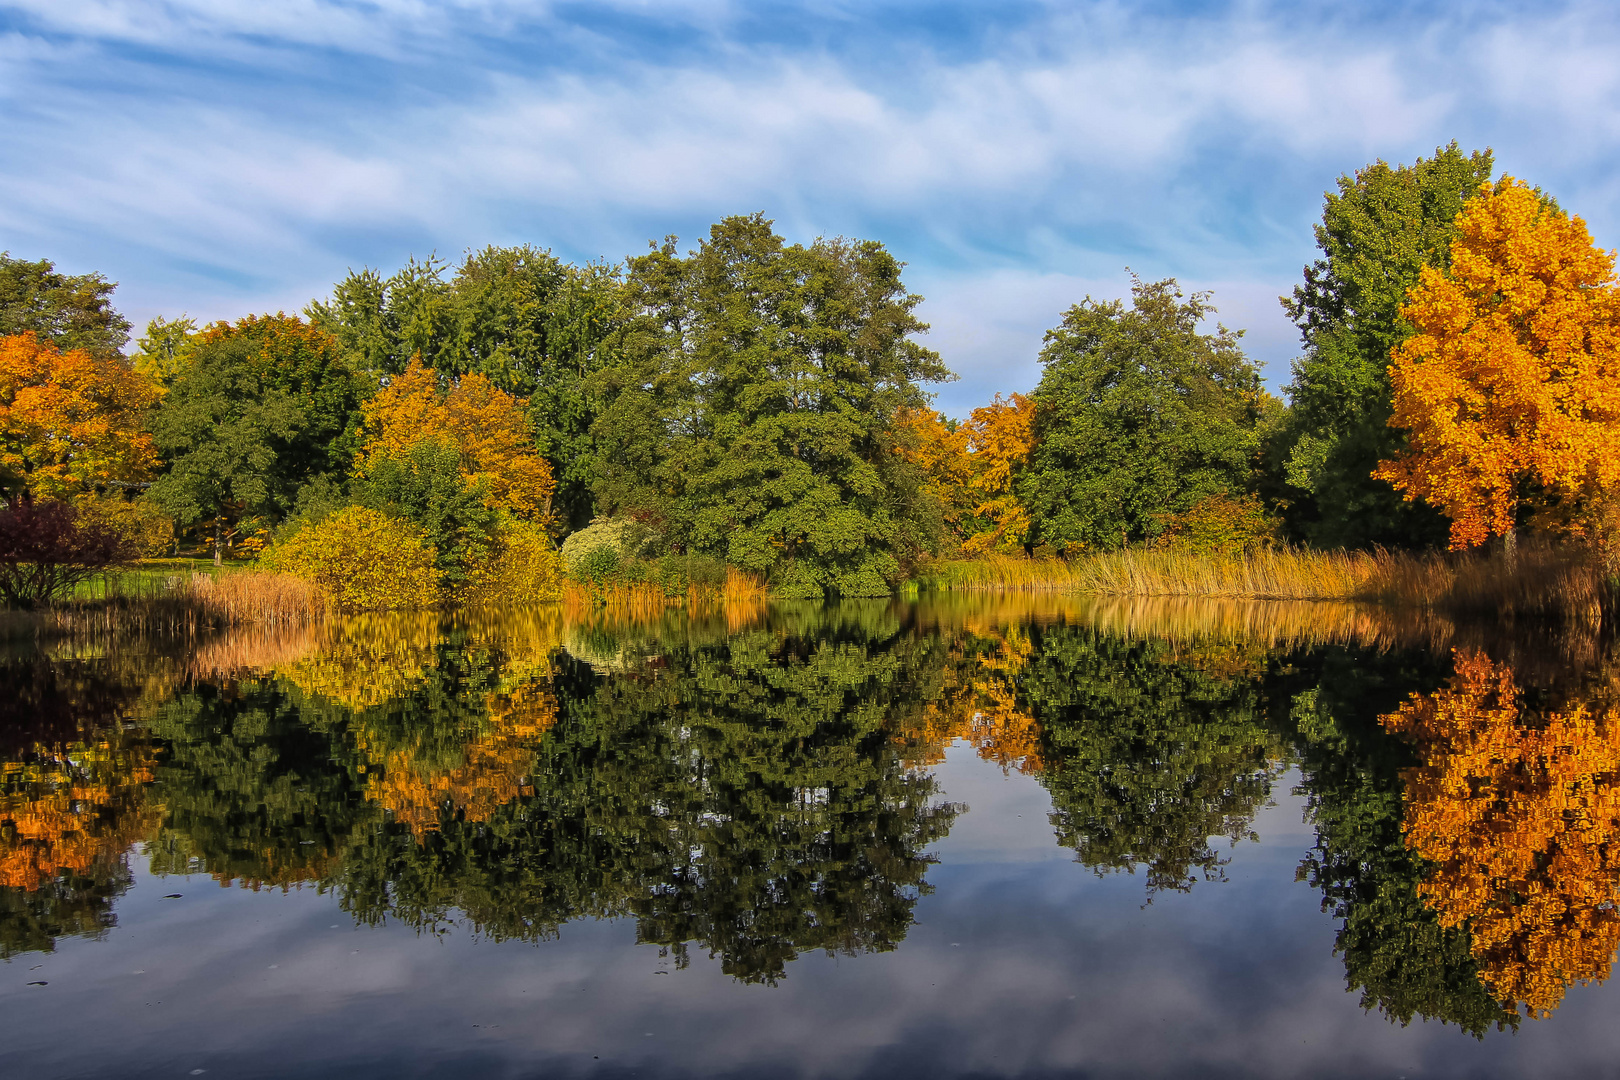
<point x="1542" y="580"/>
<point x="650" y="597"/>
<point x="183" y="604"/>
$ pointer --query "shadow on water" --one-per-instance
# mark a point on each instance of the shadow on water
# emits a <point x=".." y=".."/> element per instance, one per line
<point x="758" y="782"/>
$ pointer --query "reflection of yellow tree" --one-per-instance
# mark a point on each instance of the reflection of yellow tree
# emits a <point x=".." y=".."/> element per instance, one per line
<point x="496" y="767"/>
<point x="980" y="705"/>
<point x="366" y="660"/>
<point x="1520" y="818"/>
<point x="62" y="811"/>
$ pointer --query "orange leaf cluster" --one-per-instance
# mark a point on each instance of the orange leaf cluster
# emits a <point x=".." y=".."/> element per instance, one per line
<point x="972" y="466"/>
<point x="484" y="423"/>
<point x="1513" y="374"/>
<point x="81" y="806"/>
<point x="982" y="709"/>
<point x="69" y="421"/>
<point x="1519" y="819"/>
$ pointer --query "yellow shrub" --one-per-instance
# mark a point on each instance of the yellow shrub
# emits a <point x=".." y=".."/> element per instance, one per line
<point x="149" y="529"/>
<point x="361" y="560"/>
<point x="522" y="568"/>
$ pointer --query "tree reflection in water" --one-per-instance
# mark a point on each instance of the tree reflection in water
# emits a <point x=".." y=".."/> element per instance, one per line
<point x="758" y="782"/>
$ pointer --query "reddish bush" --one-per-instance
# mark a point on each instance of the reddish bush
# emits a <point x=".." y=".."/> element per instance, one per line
<point x="46" y="550"/>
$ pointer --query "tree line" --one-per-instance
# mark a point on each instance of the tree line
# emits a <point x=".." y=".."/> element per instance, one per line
<point x="767" y="405"/>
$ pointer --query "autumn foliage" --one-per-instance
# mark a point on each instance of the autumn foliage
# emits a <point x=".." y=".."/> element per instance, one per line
<point x="1509" y="390"/>
<point x="971" y="469"/>
<point x="1518" y="816"/>
<point x="361" y="560"/>
<point x="486" y="425"/>
<point x="69" y="421"/>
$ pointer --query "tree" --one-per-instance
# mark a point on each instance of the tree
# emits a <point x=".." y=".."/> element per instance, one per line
<point x="535" y="327"/>
<point x="485" y="426"/>
<point x="70" y="422"/>
<point x="424" y="485"/>
<point x="69" y="311"/>
<point x="758" y="413"/>
<point x="1377" y="233"/>
<point x="46" y="550"/>
<point x="1001" y="438"/>
<point x="1509" y="390"/>
<point x="163" y="352"/>
<point x="1138" y="415"/>
<point x="265" y="406"/>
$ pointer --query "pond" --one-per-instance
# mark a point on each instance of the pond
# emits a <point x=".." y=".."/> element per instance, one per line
<point x="966" y="836"/>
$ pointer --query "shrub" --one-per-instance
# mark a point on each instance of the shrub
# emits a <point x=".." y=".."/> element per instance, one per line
<point x="148" y="529"/>
<point x="626" y="537"/>
<point x="1220" y="524"/>
<point x="361" y="560"/>
<point x="522" y="567"/>
<point x="47" y="549"/>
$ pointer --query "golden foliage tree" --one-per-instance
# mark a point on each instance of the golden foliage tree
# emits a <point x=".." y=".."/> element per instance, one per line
<point x="971" y="467"/>
<point x="1509" y="390"/>
<point x="70" y="422"/>
<point x="65" y="809"/>
<point x="1519" y="819"/>
<point x="485" y="424"/>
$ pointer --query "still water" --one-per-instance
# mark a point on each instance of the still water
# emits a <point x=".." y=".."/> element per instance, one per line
<point x="965" y="837"/>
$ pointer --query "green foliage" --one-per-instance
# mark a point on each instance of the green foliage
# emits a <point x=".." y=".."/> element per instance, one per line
<point x="262" y="409"/>
<point x="70" y="311"/>
<point x="754" y="419"/>
<point x="626" y="537"/>
<point x="165" y="349"/>
<point x="1382" y="226"/>
<point x="362" y="560"/>
<point x="536" y="327"/>
<point x="424" y="486"/>
<point x="1139" y="415"/>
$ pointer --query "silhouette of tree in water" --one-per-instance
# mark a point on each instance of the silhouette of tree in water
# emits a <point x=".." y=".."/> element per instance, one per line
<point x="1397" y="954"/>
<point x="1147" y="756"/>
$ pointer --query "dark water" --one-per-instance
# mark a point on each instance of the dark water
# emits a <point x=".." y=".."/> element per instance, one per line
<point x="961" y="838"/>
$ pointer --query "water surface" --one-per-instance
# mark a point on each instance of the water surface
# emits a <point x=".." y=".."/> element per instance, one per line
<point x="962" y="837"/>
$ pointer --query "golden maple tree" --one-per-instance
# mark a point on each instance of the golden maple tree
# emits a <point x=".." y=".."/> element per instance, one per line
<point x="64" y="809"/>
<point x="1518" y="817"/>
<point x="1511" y="382"/>
<point x="485" y="424"/>
<point x="70" y="422"/>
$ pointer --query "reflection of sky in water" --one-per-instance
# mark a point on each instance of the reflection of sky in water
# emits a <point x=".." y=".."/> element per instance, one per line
<point x="1020" y="963"/>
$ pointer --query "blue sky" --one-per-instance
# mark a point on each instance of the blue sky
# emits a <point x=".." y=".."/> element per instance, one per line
<point x="225" y="156"/>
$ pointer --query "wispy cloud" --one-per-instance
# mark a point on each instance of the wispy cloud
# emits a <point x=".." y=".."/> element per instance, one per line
<point x="245" y="152"/>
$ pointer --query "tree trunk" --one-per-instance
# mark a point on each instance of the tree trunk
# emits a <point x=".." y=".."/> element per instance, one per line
<point x="219" y="544"/>
<point x="1510" y="548"/>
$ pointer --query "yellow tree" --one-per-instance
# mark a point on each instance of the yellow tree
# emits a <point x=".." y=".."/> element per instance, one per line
<point x="1001" y="436"/>
<point x="485" y="424"/>
<point x="940" y="448"/>
<point x="70" y="422"/>
<point x="1518" y="818"/>
<point x="1509" y="390"/>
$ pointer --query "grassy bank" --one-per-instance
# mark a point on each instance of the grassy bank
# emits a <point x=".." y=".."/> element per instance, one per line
<point x="1542" y="580"/>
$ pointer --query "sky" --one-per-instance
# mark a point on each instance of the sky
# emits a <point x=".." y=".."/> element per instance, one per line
<point x="222" y="157"/>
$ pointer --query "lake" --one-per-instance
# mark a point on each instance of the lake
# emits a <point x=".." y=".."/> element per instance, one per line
<point x="966" y="836"/>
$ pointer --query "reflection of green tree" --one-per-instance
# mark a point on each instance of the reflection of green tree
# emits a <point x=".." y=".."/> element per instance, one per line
<point x="71" y="904"/>
<point x="745" y="793"/>
<point x="1395" y="952"/>
<point x="1147" y="756"/>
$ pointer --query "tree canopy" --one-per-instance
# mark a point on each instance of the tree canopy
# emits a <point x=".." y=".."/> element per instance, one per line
<point x="1139" y="415"/>
<point x="71" y="311"/>
<point x="757" y="414"/>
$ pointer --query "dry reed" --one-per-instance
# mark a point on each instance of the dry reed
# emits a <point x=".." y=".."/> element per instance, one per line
<point x="1542" y="580"/>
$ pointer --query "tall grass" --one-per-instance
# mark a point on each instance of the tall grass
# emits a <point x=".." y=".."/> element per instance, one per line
<point x="739" y="587"/>
<point x="1543" y="579"/>
<point x="184" y="604"/>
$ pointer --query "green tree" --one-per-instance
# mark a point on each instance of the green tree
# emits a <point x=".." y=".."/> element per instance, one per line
<point x="163" y="352"/>
<point x="424" y="485"/>
<point x="536" y="327"/>
<point x="70" y="311"/>
<point x="1139" y="416"/>
<point x="1377" y="232"/>
<point x="756" y="415"/>
<point x="263" y="408"/>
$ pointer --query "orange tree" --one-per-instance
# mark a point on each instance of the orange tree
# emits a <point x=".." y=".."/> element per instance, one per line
<point x="971" y="468"/>
<point x="70" y="422"/>
<point x="1518" y="817"/>
<point x="1510" y="388"/>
